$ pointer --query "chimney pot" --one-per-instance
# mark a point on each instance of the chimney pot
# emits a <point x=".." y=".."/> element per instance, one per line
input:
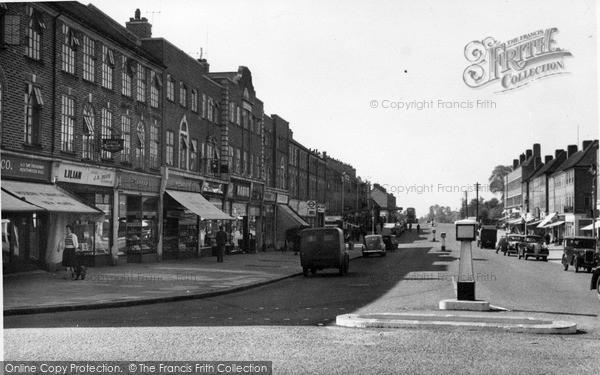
<point x="537" y="149"/>
<point x="528" y="154"/>
<point x="515" y="163"/>
<point x="586" y="144"/>
<point x="571" y="150"/>
<point x="558" y="152"/>
<point x="521" y="158"/>
<point x="548" y="159"/>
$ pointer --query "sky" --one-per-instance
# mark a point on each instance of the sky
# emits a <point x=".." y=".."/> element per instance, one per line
<point x="380" y="84"/>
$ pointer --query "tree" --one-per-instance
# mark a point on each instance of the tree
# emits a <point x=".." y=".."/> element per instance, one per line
<point x="496" y="179"/>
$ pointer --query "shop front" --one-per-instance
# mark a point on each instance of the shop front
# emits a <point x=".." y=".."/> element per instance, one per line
<point x="138" y="217"/>
<point x="255" y="217"/>
<point x="185" y="213"/>
<point x="214" y="192"/>
<point x="95" y="186"/>
<point x="289" y="223"/>
<point x="268" y="220"/>
<point x="243" y="229"/>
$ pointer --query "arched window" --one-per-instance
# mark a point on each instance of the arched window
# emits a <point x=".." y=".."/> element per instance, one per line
<point x="89" y="134"/>
<point x="184" y="145"/>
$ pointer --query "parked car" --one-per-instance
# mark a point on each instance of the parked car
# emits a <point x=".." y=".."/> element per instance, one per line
<point x="596" y="282"/>
<point x="373" y="244"/>
<point x="580" y="252"/>
<point x="487" y="237"/>
<point x="322" y="248"/>
<point x="533" y="246"/>
<point x="513" y="241"/>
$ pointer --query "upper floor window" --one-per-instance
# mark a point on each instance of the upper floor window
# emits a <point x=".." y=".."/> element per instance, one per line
<point x="154" y="144"/>
<point x="88" y="139"/>
<point x="210" y="109"/>
<point x="11" y="29"/>
<point x="194" y="155"/>
<point x="170" y="88"/>
<point x="106" y="130"/>
<point x="194" y="100"/>
<point x="70" y="42"/>
<point x="34" y="33"/>
<point x="33" y="118"/>
<point x="169" y="149"/>
<point x="182" y="94"/>
<point x="108" y="67"/>
<point x="140" y="146"/>
<point x="89" y="59"/>
<point x="155" y="86"/>
<point x="67" y="123"/>
<point x="141" y="83"/>
<point x="126" y="135"/>
<point x="204" y="110"/>
<point x="183" y="145"/>
<point x="127" y="72"/>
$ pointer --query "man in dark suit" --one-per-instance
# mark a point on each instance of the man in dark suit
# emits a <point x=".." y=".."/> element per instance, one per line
<point x="221" y="243"/>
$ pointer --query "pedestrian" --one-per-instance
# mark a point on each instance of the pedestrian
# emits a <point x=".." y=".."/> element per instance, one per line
<point x="418" y="228"/>
<point x="69" y="245"/>
<point x="221" y="243"/>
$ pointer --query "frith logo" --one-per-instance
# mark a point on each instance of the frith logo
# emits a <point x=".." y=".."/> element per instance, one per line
<point x="515" y="63"/>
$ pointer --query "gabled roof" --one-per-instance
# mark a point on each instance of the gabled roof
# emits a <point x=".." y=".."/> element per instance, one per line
<point x="578" y="159"/>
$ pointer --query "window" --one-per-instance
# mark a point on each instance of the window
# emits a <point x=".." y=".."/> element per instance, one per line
<point x="33" y="109"/>
<point x="34" y="32"/>
<point x="70" y="42"/>
<point x="251" y="164"/>
<point x="238" y="116"/>
<point x="108" y="66"/>
<point x="231" y="112"/>
<point x="182" y="94"/>
<point x="154" y="144"/>
<point x="245" y="163"/>
<point x="210" y="109"/>
<point x="170" y="88"/>
<point x="203" y="105"/>
<point x="89" y="59"/>
<point x="11" y="31"/>
<point x="140" y="147"/>
<point x="170" y="141"/>
<point x="194" y="155"/>
<point x="67" y="123"/>
<point x="155" y="89"/>
<point x="127" y="72"/>
<point x="238" y="160"/>
<point x="141" y="83"/>
<point x="194" y="102"/>
<point x="245" y="119"/>
<point x="106" y="130"/>
<point x="126" y="135"/>
<point x="183" y="145"/>
<point x="88" y="140"/>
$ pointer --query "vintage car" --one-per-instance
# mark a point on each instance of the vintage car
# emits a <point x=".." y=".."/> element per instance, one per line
<point x="579" y="252"/>
<point x="322" y="248"/>
<point x="487" y="237"/>
<point x="373" y="244"/>
<point x="513" y="241"/>
<point x="533" y="246"/>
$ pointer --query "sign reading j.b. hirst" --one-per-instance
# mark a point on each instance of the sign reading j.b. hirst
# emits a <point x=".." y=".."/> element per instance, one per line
<point x="515" y="63"/>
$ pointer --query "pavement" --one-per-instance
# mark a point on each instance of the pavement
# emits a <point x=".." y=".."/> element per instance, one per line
<point x="137" y="284"/>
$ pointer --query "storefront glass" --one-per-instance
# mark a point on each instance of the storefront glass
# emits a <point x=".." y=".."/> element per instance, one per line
<point x="138" y="226"/>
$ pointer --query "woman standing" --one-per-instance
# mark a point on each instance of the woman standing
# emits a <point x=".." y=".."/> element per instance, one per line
<point x="70" y="244"/>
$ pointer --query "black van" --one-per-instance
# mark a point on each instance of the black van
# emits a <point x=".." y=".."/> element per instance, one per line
<point x="322" y="248"/>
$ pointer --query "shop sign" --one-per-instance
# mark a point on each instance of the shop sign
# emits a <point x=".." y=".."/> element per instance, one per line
<point x="182" y="183"/>
<point x="16" y="166"/>
<point x="270" y="196"/>
<point x="321" y="208"/>
<point x="138" y="182"/>
<point x="112" y="144"/>
<point x="311" y="212"/>
<point x="212" y="187"/>
<point x="78" y="174"/>
<point x="302" y="208"/>
<point x="242" y="191"/>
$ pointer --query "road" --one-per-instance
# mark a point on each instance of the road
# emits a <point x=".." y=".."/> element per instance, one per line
<point x="292" y="322"/>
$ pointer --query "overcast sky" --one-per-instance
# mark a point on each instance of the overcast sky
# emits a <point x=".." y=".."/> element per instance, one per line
<point x="332" y="67"/>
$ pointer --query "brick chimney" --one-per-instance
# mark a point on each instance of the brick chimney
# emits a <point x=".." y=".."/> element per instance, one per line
<point x="558" y="152"/>
<point x="324" y="155"/>
<point x="139" y="26"/>
<point x="537" y="161"/>
<point x="586" y="144"/>
<point x="528" y="154"/>
<point x="571" y="150"/>
<point x="537" y="150"/>
<point x="204" y="65"/>
<point x="548" y="159"/>
<point x="515" y="163"/>
<point x="521" y="158"/>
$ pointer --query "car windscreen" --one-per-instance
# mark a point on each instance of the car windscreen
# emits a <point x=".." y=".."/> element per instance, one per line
<point x="373" y="242"/>
<point x="534" y="240"/>
<point x="514" y="238"/>
<point x="584" y="243"/>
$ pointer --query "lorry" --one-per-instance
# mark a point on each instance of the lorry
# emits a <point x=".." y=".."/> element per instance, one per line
<point x="487" y="237"/>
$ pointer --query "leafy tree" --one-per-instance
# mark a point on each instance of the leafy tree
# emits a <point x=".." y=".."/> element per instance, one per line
<point x="496" y="180"/>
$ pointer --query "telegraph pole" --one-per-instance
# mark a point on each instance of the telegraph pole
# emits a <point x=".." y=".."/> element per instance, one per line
<point x="477" y="201"/>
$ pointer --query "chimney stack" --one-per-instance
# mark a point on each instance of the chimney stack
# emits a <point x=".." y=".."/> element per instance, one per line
<point x="537" y="161"/>
<point x="140" y="27"/>
<point x="528" y="154"/>
<point x="324" y="155"/>
<point x="587" y="144"/>
<point x="571" y="150"/>
<point x="558" y="152"/>
<point x="515" y="163"/>
<point x="548" y="159"/>
<point x="205" y="66"/>
<point x="521" y="159"/>
<point x="537" y="150"/>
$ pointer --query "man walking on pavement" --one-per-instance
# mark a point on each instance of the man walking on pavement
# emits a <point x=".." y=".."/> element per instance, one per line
<point x="221" y="243"/>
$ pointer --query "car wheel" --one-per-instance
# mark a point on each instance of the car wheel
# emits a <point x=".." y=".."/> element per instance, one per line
<point x="341" y="269"/>
<point x="365" y="255"/>
<point x="525" y="256"/>
<point x="545" y="259"/>
<point x="537" y="257"/>
<point x="313" y="271"/>
<point x="564" y="262"/>
<point x="305" y="271"/>
<point x="576" y="265"/>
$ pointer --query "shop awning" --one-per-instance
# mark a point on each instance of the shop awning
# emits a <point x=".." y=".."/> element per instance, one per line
<point x="287" y="211"/>
<point x="196" y="203"/>
<point x="11" y="204"/>
<point x="589" y="227"/>
<point x="533" y="223"/>
<point x="555" y="224"/>
<point x="516" y="221"/>
<point x="49" y="197"/>
<point x="548" y="220"/>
